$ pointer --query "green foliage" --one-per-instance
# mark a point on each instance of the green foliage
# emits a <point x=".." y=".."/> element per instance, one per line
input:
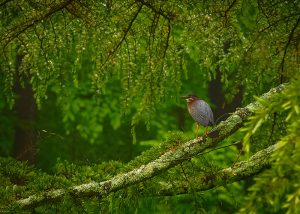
<point x="20" y="180"/>
<point x="278" y="188"/>
<point x="110" y="73"/>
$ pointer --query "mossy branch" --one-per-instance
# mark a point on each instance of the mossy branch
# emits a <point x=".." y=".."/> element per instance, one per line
<point x="164" y="162"/>
<point x="236" y="172"/>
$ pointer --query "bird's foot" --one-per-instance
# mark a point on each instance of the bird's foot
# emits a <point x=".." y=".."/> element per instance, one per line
<point x="173" y="148"/>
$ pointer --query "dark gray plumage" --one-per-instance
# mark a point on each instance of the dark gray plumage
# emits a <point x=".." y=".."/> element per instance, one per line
<point x="200" y="111"/>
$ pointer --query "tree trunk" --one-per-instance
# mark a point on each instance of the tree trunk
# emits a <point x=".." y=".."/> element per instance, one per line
<point x="222" y="108"/>
<point x="217" y="96"/>
<point x="26" y="111"/>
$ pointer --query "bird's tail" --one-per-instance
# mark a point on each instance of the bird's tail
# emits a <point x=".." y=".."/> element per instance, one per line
<point x="218" y="119"/>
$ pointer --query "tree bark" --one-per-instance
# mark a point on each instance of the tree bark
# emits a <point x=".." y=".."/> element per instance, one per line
<point x="237" y="172"/>
<point x="217" y="96"/>
<point x="26" y="111"/>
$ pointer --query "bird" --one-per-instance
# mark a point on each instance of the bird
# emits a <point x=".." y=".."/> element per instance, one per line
<point x="200" y="111"/>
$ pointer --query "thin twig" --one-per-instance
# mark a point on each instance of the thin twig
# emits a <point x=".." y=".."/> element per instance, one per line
<point x="273" y="126"/>
<point x="203" y="153"/>
<point x="112" y="52"/>
<point x="15" y="31"/>
<point x="158" y="11"/>
<point x="4" y="2"/>
<point x="229" y="8"/>
<point x="286" y="48"/>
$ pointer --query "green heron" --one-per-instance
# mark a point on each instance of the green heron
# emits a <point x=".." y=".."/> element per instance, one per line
<point x="200" y="112"/>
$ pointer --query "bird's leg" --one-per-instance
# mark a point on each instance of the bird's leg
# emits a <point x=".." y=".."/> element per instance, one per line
<point x="197" y="129"/>
<point x="206" y="132"/>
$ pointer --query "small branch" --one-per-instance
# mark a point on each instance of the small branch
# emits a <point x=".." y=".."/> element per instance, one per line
<point x="166" y="47"/>
<point x="4" y="2"/>
<point x="167" y="41"/>
<point x="157" y="11"/>
<point x="286" y="48"/>
<point x="18" y="29"/>
<point x="44" y="54"/>
<point x="112" y="52"/>
<point x="164" y="162"/>
<point x="229" y="8"/>
<point x="81" y="11"/>
<point x="208" y="151"/>
<point x="263" y="11"/>
<point x="270" y="25"/>
<point x="273" y="126"/>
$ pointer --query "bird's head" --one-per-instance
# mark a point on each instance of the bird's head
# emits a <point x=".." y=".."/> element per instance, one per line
<point x="190" y="98"/>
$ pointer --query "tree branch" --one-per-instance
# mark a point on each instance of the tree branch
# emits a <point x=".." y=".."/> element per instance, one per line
<point x="157" y="11"/>
<point x="229" y="8"/>
<point x="164" y="162"/>
<point x="291" y="35"/>
<point x="237" y="172"/>
<point x="81" y="11"/>
<point x="268" y="27"/>
<point x="4" y="2"/>
<point x="113" y="51"/>
<point x="35" y="17"/>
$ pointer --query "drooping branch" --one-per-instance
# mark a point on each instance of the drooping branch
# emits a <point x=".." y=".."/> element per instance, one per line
<point x="114" y="50"/>
<point x="291" y="35"/>
<point x="164" y="162"/>
<point x="229" y="8"/>
<point x="162" y="13"/>
<point x="4" y="2"/>
<point x="81" y="11"/>
<point x="35" y="17"/>
<point x="167" y="41"/>
<point x="237" y="172"/>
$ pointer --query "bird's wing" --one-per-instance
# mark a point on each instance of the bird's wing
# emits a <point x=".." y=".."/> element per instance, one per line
<point x="204" y="113"/>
